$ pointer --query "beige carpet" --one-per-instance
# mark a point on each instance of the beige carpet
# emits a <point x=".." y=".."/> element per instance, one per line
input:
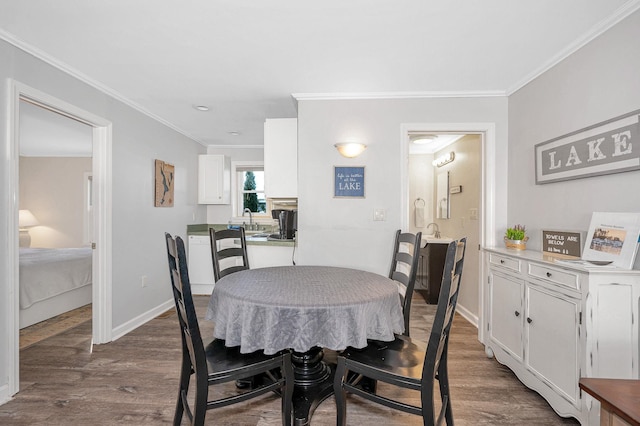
<point x="52" y="326"/>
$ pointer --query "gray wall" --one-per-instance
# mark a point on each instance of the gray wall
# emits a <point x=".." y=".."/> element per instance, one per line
<point x="138" y="227"/>
<point x="339" y="231"/>
<point x="598" y="82"/>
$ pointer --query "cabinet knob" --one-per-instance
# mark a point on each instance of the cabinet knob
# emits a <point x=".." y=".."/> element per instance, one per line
<point x="517" y="313"/>
<point x="529" y="320"/>
<point x="548" y="274"/>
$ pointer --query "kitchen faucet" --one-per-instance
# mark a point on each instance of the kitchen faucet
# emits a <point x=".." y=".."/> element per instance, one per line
<point x="248" y="210"/>
<point x="436" y="232"/>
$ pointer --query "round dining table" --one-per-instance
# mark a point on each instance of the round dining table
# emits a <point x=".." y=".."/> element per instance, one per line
<point x="305" y="309"/>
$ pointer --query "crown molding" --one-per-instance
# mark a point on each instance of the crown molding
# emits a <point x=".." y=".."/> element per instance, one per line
<point x="235" y="146"/>
<point x="595" y="31"/>
<point x="395" y="95"/>
<point x="39" y="54"/>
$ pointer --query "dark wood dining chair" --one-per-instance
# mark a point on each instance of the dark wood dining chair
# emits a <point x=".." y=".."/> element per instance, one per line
<point x="228" y="251"/>
<point x="406" y="362"/>
<point x="217" y="363"/>
<point x="404" y="268"/>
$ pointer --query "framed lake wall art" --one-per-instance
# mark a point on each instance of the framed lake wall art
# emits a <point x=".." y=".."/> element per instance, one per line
<point x="348" y="182"/>
<point x="612" y="146"/>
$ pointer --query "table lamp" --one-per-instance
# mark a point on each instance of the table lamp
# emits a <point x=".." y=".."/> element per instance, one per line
<point x="26" y="219"/>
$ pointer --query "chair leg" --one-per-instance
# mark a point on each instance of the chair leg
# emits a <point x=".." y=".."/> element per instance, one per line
<point x="185" y="378"/>
<point x="200" y="402"/>
<point x="443" y="381"/>
<point x="428" y="407"/>
<point x="339" y="392"/>
<point x="287" y="394"/>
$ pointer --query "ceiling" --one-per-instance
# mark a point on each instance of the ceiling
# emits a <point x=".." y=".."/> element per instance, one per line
<point x="245" y="60"/>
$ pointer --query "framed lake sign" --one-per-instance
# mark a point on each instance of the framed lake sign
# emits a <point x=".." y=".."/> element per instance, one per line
<point x="348" y="182"/>
<point x="601" y="149"/>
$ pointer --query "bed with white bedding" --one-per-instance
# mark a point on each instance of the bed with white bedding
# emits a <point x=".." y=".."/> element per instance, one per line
<point x="53" y="281"/>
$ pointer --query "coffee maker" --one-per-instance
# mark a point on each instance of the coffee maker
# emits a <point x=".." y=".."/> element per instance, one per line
<point x="287" y="222"/>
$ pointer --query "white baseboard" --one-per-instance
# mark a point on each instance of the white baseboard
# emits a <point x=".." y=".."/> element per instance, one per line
<point x="466" y="314"/>
<point x="136" y="322"/>
<point x="4" y="394"/>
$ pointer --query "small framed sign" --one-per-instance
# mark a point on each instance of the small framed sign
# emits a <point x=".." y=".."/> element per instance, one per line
<point x="562" y="243"/>
<point x="348" y="182"/>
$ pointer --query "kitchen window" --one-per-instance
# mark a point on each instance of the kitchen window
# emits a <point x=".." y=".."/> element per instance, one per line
<point x="249" y="188"/>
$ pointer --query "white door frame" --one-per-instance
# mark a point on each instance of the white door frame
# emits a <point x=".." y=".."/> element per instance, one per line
<point x="487" y="191"/>
<point x="101" y="291"/>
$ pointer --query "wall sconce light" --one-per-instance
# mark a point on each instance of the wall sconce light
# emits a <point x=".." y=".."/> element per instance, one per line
<point x="350" y="149"/>
<point x="444" y="159"/>
<point x="26" y="219"/>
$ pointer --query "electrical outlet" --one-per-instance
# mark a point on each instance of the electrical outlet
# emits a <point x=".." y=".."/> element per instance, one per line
<point x="143" y="281"/>
<point x="379" y="215"/>
<point x="473" y="213"/>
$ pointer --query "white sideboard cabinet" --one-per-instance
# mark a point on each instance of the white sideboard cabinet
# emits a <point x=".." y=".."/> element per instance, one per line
<point x="214" y="179"/>
<point x="553" y="323"/>
<point x="281" y="158"/>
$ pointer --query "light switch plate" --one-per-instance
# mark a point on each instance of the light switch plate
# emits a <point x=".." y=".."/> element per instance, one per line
<point x="379" y="215"/>
<point x="473" y="214"/>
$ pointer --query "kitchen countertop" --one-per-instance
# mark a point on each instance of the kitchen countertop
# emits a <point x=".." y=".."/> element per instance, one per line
<point x="203" y="229"/>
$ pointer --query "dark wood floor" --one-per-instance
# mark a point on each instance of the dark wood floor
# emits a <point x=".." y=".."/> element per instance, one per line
<point x="133" y="381"/>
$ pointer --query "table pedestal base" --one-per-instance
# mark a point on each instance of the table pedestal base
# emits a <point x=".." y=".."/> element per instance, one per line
<point x="313" y="383"/>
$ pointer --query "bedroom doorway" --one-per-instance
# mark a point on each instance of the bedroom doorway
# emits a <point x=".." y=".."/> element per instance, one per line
<point x="100" y="246"/>
<point x="55" y="188"/>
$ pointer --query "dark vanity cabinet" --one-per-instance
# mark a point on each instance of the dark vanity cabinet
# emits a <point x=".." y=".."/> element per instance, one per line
<point x="430" y="269"/>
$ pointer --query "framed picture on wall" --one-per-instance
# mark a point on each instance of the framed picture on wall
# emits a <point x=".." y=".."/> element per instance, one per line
<point x="164" y="176"/>
<point x="613" y="239"/>
<point x="348" y="182"/>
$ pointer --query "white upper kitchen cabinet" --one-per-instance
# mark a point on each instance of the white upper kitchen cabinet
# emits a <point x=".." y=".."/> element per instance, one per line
<point x="281" y="158"/>
<point x="214" y="179"/>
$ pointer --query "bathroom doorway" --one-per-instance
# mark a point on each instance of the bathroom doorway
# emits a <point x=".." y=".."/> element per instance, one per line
<point x="458" y="154"/>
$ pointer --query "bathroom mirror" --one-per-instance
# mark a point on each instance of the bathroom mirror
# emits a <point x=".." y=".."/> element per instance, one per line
<point x="442" y="195"/>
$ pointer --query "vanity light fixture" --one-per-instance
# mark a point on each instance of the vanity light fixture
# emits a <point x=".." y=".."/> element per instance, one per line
<point x="350" y="149"/>
<point x="444" y="159"/>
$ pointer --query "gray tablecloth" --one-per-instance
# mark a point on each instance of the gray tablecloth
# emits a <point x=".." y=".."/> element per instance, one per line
<point x="299" y="307"/>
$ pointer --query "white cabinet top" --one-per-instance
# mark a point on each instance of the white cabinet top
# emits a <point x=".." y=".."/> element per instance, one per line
<point x="574" y="265"/>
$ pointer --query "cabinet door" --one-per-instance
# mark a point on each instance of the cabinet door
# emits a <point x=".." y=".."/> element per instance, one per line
<point x="614" y="335"/>
<point x="552" y="340"/>
<point x="506" y="313"/>
<point x="281" y="158"/>
<point x="214" y="179"/>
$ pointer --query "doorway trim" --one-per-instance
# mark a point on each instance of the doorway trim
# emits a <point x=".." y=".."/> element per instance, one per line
<point x="102" y="173"/>
<point x="487" y="131"/>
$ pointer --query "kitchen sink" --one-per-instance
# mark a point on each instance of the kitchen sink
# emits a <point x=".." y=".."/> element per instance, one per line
<point x="260" y="235"/>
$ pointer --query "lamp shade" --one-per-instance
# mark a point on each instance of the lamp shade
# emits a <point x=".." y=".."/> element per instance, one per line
<point x="26" y="219"/>
<point x="350" y="149"/>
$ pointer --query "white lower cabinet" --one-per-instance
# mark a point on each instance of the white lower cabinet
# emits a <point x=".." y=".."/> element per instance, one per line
<point x="200" y="262"/>
<point x="552" y="323"/>
<point x="507" y="316"/>
<point x="551" y="334"/>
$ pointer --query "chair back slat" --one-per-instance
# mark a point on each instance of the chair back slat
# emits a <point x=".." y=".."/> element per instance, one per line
<point x="228" y="251"/>
<point x="404" y="268"/>
<point x="185" y="309"/>
<point x="445" y="311"/>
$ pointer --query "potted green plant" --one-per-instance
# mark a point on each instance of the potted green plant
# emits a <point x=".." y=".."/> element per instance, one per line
<point x="516" y="237"/>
